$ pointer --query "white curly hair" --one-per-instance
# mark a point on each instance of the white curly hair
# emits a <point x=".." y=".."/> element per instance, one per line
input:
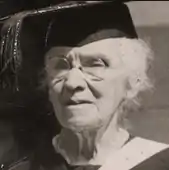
<point x="137" y="57"/>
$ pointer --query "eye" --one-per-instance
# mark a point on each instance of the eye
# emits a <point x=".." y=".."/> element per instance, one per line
<point x="58" y="64"/>
<point x="62" y="63"/>
<point x="96" y="62"/>
<point x="57" y="67"/>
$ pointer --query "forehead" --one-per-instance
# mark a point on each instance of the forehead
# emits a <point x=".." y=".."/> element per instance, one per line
<point x="106" y="47"/>
<point x="104" y="44"/>
<point x="110" y="48"/>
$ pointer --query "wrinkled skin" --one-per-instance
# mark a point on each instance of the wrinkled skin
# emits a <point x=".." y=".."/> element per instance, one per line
<point x="96" y="96"/>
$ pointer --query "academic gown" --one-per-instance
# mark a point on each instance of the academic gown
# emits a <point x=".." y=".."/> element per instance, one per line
<point x="137" y="154"/>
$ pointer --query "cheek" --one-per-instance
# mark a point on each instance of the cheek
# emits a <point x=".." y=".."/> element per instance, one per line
<point x="55" y="87"/>
<point x="112" y="92"/>
<point x="109" y="88"/>
<point x="54" y="98"/>
<point x="55" y="93"/>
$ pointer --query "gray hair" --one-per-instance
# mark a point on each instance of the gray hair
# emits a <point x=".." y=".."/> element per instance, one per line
<point x="137" y="57"/>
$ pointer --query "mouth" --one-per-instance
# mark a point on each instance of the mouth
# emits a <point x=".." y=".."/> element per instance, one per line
<point x="77" y="102"/>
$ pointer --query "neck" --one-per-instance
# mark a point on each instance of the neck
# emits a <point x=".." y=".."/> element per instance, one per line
<point x="91" y="146"/>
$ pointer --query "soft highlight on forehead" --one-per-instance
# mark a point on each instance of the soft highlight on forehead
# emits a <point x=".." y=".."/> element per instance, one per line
<point x="132" y="53"/>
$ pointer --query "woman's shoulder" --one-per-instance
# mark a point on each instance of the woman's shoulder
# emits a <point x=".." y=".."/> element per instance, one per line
<point x="136" y="152"/>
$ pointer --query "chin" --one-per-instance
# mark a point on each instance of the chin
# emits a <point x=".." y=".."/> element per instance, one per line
<point x="81" y="116"/>
<point x="80" y="123"/>
<point x="84" y="125"/>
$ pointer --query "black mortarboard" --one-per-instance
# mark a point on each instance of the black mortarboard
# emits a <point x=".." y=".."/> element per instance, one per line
<point x="79" y="26"/>
<point x="26" y="35"/>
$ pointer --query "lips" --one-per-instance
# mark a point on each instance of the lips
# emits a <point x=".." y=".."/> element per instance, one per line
<point x="77" y="102"/>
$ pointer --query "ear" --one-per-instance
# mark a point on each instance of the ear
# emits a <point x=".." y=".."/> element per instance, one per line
<point x="133" y="86"/>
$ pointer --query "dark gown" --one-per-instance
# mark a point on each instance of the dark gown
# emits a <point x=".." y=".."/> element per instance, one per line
<point x="47" y="159"/>
<point x="159" y="161"/>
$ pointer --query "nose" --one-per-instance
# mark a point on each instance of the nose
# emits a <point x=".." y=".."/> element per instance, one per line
<point x="74" y="80"/>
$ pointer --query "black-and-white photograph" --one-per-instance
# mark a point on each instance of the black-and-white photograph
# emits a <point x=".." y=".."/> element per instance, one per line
<point x="84" y="85"/>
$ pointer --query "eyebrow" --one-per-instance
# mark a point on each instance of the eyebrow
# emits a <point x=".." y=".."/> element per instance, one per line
<point x="60" y="52"/>
<point x="94" y="55"/>
<point x="56" y="56"/>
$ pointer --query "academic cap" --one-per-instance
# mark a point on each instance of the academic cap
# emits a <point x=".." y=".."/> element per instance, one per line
<point x="26" y="36"/>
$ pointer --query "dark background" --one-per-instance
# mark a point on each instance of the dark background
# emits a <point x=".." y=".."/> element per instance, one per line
<point x="150" y="121"/>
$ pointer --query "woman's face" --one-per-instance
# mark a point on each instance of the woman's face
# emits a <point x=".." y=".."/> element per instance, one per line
<point x="86" y="84"/>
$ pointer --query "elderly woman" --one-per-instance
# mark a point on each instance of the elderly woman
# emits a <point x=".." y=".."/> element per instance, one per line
<point x="94" y="66"/>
